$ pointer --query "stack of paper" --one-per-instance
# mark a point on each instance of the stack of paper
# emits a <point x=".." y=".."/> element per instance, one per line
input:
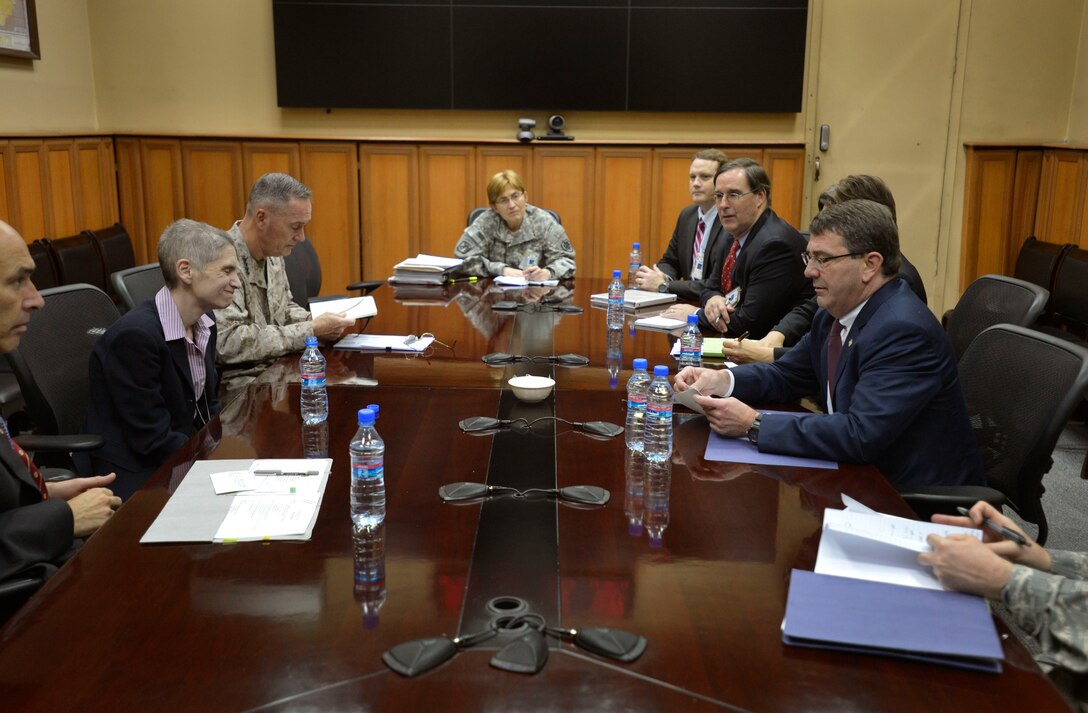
<point x="870" y="595"/>
<point x="507" y="281"/>
<point x="635" y="299"/>
<point x="385" y="342"/>
<point x="425" y="269"/>
<point x="660" y="324"/>
<point x="233" y="501"/>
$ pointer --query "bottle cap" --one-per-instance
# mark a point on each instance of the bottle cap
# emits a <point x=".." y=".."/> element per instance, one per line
<point x="693" y="319"/>
<point x="661" y="370"/>
<point x="639" y="363"/>
<point x="616" y="274"/>
<point x="311" y="341"/>
<point x="375" y="408"/>
<point x="636" y="246"/>
<point x="366" y="417"/>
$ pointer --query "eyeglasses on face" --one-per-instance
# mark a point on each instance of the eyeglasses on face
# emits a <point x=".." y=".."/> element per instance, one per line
<point x="514" y="197"/>
<point x="822" y="260"/>
<point x="733" y="196"/>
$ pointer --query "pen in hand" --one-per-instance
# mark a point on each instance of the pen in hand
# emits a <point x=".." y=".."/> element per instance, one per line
<point x="999" y="529"/>
<point x="742" y="337"/>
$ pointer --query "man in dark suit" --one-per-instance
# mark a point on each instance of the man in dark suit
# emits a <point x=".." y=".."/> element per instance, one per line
<point x="876" y="360"/>
<point x="39" y="522"/>
<point x="761" y="257"/>
<point x="153" y="380"/>
<point x="698" y="234"/>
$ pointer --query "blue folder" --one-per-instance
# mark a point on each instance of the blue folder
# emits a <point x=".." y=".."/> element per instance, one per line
<point x="856" y="615"/>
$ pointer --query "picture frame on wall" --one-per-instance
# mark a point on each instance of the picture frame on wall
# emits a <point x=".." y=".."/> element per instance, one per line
<point x="19" y="29"/>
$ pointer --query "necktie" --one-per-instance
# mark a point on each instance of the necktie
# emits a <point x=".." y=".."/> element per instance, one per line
<point x="698" y="245"/>
<point x="834" y="349"/>
<point x="33" y="469"/>
<point x="727" y="271"/>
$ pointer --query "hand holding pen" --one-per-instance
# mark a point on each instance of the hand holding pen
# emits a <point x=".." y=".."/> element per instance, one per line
<point x="1008" y="546"/>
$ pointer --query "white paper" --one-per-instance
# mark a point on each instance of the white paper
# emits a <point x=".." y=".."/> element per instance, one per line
<point x="384" y="342"/>
<point x="231" y="481"/>
<point x="423" y="261"/>
<point x="509" y="281"/>
<point x="879" y="548"/>
<point x="257" y="517"/>
<point x="659" y="322"/>
<point x="351" y="307"/>
<point x="687" y="398"/>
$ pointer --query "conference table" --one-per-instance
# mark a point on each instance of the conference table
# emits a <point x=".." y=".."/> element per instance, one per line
<point x="694" y="555"/>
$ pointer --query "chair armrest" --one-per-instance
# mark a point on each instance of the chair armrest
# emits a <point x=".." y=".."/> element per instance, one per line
<point x="927" y="500"/>
<point x="367" y="286"/>
<point x="20" y="585"/>
<point x="60" y="444"/>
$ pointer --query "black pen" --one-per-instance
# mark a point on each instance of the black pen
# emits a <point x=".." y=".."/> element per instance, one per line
<point x="742" y="337"/>
<point x="999" y="529"/>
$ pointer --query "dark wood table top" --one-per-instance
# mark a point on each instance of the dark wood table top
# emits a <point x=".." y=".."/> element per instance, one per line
<point x="286" y="626"/>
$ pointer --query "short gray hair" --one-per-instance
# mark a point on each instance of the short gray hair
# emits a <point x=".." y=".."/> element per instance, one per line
<point x="274" y="190"/>
<point x="199" y="243"/>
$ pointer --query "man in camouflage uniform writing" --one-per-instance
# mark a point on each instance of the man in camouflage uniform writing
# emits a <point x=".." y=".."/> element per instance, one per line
<point x="1045" y="591"/>
<point x="515" y="238"/>
<point x="263" y="322"/>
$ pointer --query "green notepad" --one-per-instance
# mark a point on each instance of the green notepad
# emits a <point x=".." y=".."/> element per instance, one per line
<point x="712" y="347"/>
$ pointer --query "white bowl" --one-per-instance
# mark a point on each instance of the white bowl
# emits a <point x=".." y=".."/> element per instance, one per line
<point x="531" y="389"/>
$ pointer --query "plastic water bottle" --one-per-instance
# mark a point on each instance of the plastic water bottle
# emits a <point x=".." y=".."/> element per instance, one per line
<point x="375" y="408"/>
<point x="634" y="469"/>
<point x="655" y="516"/>
<point x="367" y="473"/>
<point x="637" y="388"/>
<point x="634" y="262"/>
<point x="657" y="434"/>
<point x="691" y="343"/>
<point x="370" y="591"/>
<point x="615" y="301"/>
<point x="315" y="398"/>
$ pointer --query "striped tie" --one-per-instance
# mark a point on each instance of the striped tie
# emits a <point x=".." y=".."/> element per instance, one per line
<point x="33" y="469"/>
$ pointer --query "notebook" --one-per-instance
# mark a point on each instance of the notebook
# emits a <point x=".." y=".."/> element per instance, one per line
<point x="635" y="299"/>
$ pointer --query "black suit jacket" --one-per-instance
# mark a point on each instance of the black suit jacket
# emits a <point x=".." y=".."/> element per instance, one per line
<point x="770" y="272"/>
<point x="898" y="400"/>
<point x="142" y="399"/>
<point x="35" y="534"/>
<point x="676" y="262"/>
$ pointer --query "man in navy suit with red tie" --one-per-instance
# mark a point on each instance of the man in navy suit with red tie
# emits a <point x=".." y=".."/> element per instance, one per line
<point x="876" y="360"/>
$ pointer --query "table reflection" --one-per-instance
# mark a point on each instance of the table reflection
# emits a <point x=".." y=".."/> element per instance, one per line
<point x="370" y="589"/>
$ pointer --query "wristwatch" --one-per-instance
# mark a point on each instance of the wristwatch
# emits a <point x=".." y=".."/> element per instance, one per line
<point x="664" y="286"/>
<point x="753" y="431"/>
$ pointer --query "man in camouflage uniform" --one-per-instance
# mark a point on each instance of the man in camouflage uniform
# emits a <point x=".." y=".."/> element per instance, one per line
<point x="263" y="322"/>
<point x="515" y="238"/>
<point x="1046" y="591"/>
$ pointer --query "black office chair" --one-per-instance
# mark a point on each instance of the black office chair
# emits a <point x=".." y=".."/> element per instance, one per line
<point x="304" y="276"/>
<point x="477" y="212"/>
<point x="51" y="366"/>
<point x="1021" y="387"/>
<point x="115" y="249"/>
<point x="137" y="284"/>
<point x="990" y="300"/>
<point x="1068" y="317"/>
<point x="78" y="260"/>
<point x="15" y="590"/>
<point x="1038" y="262"/>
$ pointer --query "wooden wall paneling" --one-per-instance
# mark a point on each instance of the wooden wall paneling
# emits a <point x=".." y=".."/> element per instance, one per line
<point x="987" y="212"/>
<point x="65" y="216"/>
<point x="1025" y="201"/>
<point x="753" y="152"/>
<point x="31" y="204"/>
<point x="130" y="196"/>
<point x="261" y="157"/>
<point x="447" y="192"/>
<point x="212" y="172"/>
<point x="786" y="168"/>
<point x="162" y="188"/>
<point x="389" y="197"/>
<point x="1083" y="234"/>
<point x="97" y="182"/>
<point x="622" y="197"/>
<point x="563" y="182"/>
<point x="492" y="159"/>
<point x="5" y="164"/>
<point x="1061" y="196"/>
<point x="671" y="194"/>
<point x="331" y="170"/>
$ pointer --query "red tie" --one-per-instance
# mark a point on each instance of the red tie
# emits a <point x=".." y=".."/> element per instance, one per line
<point x="33" y="469"/>
<point x="698" y="244"/>
<point x="834" y="349"/>
<point x="727" y="271"/>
